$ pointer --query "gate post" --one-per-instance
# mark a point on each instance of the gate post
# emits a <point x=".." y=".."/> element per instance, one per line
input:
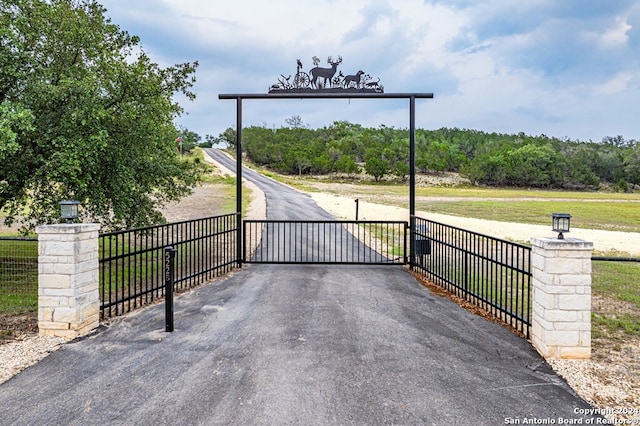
<point x="68" y="276"/>
<point x="561" y="304"/>
<point x="412" y="179"/>
<point x="239" y="240"/>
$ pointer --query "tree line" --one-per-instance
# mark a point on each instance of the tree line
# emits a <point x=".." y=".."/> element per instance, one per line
<point x="493" y="159"/>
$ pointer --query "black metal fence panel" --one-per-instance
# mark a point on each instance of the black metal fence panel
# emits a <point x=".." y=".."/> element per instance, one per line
<point x="131" y="261"/>
<point x="18" y="275"/>
<point x="493" y="274"/>
<point x="325" y="242"/>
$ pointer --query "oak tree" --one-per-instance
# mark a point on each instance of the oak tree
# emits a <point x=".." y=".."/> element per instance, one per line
<point x="85" y="114"/>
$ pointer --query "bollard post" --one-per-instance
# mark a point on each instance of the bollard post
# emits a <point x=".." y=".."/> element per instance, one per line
<point x="169" y="269"/>
<point x="357" y="204"/>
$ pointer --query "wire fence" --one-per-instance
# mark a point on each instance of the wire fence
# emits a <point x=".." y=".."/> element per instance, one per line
<point x="617" y="278"/>
<point x="18" y="275"/>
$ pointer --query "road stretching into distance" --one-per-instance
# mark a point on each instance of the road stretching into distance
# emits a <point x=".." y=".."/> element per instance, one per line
<point x="283" y="202"/>
<point x="295" y="345"/>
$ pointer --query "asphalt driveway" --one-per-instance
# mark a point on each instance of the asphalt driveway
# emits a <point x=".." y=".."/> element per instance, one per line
<point x="296" y="345"/>
<point x="303" y="345"/>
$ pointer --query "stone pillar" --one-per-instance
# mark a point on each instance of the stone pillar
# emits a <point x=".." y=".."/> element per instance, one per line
<point x="561" y="305"/>
<point x="68" y="274"/>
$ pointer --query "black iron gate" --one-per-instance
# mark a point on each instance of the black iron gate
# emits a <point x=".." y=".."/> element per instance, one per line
<point x="325" y="241"/>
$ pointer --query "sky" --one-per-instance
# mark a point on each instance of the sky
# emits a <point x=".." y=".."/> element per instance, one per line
<point x="563" y="68"/>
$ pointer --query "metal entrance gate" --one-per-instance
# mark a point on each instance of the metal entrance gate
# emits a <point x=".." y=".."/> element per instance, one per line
<point x="325" y="241"/>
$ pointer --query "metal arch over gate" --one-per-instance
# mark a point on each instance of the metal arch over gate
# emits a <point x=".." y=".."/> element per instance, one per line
<point x="336" y="91"/>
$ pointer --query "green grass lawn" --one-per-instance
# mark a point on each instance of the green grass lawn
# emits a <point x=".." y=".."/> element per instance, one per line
<point x="605" y="215"/>
<point x="619" y="282"/>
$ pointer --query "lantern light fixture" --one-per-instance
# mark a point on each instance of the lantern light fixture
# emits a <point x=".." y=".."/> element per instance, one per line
<point x="561" y="223"/>
<point x="69" y="210"/>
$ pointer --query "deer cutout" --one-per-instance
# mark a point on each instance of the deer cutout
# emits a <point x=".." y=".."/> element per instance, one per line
<point x="325" y="73"/>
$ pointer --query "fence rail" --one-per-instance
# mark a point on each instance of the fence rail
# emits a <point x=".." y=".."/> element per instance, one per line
<point x="491" y="273"/>
<point x="325" y="241"/>
<point x="131" y="261"/>
<point x="615" y="259"/>
<point x="18" y="274"/>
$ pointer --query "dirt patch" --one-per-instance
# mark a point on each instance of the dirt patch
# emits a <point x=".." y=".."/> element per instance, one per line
<point x="8" y="230"/>
<point x="606" y="305"/>
<point x="204" y="201"/>
<point x="18" y="326"/>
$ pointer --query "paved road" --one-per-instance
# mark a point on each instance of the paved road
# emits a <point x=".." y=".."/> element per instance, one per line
<point x="298" y="345"/>
<point x="283" y="202"/>
<point x="312" y="244"/>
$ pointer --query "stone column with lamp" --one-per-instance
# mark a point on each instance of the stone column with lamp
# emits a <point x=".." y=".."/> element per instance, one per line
<point x="561" y="299"/>
<point x="68" y="274"/>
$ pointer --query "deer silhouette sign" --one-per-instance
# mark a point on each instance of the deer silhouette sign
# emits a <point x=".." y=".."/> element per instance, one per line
<point x="325" y="73"/>
<point x="323" y="79"/>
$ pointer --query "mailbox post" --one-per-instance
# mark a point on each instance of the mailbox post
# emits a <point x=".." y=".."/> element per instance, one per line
<point x="422" y="242"/>
<point x="169" y="272"/>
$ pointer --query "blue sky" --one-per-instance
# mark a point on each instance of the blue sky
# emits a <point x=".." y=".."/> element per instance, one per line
<point x="563" y="68"/>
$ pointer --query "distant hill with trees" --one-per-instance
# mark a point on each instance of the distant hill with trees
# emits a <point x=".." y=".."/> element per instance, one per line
<point x="493" y="159"/>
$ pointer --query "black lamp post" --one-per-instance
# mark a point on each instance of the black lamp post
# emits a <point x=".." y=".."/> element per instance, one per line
<point x="69" y="210"/>
<point x="561" y="222"/>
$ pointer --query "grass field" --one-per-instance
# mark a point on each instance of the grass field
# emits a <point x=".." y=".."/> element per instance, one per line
<point x="608" y="211"/>
<point x="605" y="215"/>
<point x="616" y="312"/>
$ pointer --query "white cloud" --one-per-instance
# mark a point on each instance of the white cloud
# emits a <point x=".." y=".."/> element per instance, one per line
<point x="617" y="84"/>
<point x="540" y="66"/>
<point x="616" y="35"/>
<point x="256" y="23"/>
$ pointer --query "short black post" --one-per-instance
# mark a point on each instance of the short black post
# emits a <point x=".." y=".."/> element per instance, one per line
<point x="357" y="204"/>
<point x="169" y="270"/>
